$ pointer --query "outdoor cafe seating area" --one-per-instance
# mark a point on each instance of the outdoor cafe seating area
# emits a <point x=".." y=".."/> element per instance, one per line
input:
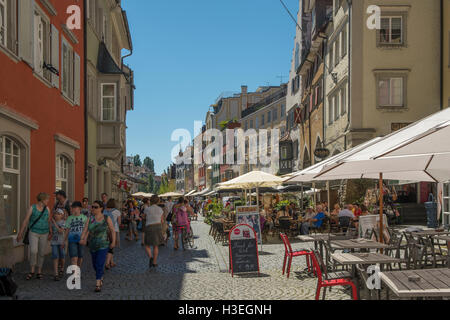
<point x="382" y="260"/>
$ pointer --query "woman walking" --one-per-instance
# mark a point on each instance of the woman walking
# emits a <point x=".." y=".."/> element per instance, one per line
<point x="114" y="215"/>
<point x="133" y="216"/>
<point x="153" y="230"/>
<point x="38" y="222"/>
<point x="180" y="220"/>
<point x="98" y="230"/>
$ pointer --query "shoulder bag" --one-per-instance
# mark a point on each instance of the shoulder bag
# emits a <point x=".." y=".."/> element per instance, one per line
<point x="26" y="238"/>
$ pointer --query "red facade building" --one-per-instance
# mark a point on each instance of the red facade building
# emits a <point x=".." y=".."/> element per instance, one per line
<point x="42" y="110"/>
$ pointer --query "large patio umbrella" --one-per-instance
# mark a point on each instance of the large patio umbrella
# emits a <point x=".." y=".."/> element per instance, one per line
<point x="170" y="194"/>
<point x="138" y="195"/>
<point x="190" y="193"/>
<point x="384" y="160"/>
<point x="255" y="179"/>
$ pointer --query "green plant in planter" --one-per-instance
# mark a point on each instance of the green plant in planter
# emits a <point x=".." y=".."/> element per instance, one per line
<point x="214" y="210"/>
<point x="282" y="205"/>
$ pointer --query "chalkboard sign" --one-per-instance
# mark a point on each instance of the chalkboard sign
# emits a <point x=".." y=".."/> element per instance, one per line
<point x="243" y="247"/>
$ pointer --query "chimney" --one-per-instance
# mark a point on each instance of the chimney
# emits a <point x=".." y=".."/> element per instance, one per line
<point x="244" y="89"/>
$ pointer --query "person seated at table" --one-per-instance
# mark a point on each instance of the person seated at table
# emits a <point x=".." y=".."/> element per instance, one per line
<point x="364" y="210"/>
<point x="346" y="216"/>
<point x="291" y="209"/>
<point x="312" y="220"/>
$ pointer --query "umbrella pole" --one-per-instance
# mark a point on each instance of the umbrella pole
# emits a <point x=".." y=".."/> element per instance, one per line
<point x="328" y="196"/>
<point x="381" y="209"/>
<point x="257" y="197"/>
<point x="302" y="198"/>
<point x="315" y="199"/>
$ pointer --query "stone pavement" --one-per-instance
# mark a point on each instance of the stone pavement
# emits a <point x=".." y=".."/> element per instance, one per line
<point x="195" y="274"/>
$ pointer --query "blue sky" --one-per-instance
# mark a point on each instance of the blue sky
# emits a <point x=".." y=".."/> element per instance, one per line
<point x="186" y="53"/>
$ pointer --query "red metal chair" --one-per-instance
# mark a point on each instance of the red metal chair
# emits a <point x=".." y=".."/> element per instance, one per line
<point x="288" y="252"/>
<point x="326" y="279"/>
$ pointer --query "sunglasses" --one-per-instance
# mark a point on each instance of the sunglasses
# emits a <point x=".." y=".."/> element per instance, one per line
<point x="95" y="207"/>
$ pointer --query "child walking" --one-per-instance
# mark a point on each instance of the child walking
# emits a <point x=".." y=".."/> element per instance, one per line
<point x="58" y="243"/>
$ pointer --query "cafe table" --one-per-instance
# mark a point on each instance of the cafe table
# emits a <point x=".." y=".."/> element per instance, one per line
<point x="363" y="259"/>
<point x="424" y="283"/>
<point x="318" y="240"/>
<point x="360" y="243"/>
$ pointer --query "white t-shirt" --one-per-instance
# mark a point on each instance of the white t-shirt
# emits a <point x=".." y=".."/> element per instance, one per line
<point x="169" y="206"/>
<point x="153" y="214"/>
<point x="116" y="214"/>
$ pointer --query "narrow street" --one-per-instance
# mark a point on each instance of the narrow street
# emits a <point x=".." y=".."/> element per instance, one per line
<point x="196" y="274"/>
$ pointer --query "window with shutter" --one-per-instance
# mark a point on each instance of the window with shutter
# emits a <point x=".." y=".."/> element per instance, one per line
<point x="55" y="56"/>
<point x="3" y="22"/>
<point x="26" y="22"/>
<point x="42" y="42"/>
<point x="77" y="79"/>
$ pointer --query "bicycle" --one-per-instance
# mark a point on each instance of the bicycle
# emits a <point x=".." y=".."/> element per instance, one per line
<point x="187" y="239"/>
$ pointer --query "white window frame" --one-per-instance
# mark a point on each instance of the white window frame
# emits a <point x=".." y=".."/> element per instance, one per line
<point x="4" y="41"/>
<point x="12" y="171"/>
<point x="389" y="42"/>
<point x="70" y="76"/>
<point x="337" y="47"/>
<point x="343" y="97"/>
<point x="391" y="104"/>
<point x="344" y="42"/>
<point x="115" y="101"/>
<point x="330" y="110"/>
<point x="336" y="105"/>
<point x="47" y="49"/>
<point x="61" y="160"/>
<point x="446" y="199"/>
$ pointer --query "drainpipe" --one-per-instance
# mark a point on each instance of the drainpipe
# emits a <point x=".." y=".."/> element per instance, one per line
<point x="349" y="54"/>
<point x="86" y="138"/>
<point x="442" y="57"/>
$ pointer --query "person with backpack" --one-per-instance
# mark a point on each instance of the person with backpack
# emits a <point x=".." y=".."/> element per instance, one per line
<point x="114" y="215"/>
<point x="38" y="224"/>
<point x="102" y="237"/>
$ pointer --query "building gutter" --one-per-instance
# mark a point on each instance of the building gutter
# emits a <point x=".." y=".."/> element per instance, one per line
<point x="86" y="138"/>
<point x="349" y="53"/>
<point x="442" y="57"/>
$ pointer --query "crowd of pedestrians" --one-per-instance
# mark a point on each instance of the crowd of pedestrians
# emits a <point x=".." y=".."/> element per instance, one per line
<point x="70" y="228"/>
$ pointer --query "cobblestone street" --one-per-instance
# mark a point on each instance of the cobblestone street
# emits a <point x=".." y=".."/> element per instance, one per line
<point x="195" y="274"/>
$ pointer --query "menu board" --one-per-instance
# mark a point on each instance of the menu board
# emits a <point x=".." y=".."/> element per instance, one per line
<point x="243" y="250"/>
<point x="250" y="215"/>
<point x="370" y="222"/>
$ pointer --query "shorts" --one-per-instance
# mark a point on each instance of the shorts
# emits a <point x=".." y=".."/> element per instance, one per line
<point x="58" y="251"/>
<point x="75" y="250"/>
<point x="132" y="226"/>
